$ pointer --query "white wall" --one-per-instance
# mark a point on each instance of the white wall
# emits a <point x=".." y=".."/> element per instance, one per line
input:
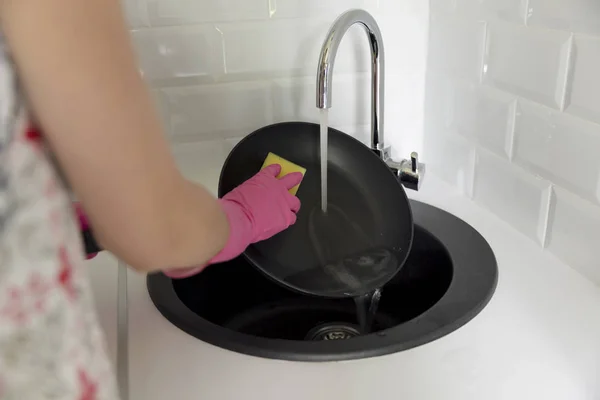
<point x="513" y="112"/>
<point x="223" y="68"/>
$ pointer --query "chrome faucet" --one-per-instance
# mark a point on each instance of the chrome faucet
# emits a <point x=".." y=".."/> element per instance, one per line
<point x="410" y="172"/>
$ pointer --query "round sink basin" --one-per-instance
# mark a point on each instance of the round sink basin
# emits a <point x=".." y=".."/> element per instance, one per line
<point x="449" y="277"/>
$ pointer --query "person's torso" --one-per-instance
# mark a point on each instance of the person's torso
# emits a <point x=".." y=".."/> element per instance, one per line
<point x="51" y="346"/>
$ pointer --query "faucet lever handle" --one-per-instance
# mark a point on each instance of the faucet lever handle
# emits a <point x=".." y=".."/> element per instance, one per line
<point x="414" y="159"/>
<point x="410" y="172"/>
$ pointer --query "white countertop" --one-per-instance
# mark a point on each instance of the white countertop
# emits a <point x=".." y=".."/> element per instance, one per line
<point x="539" y="337"/>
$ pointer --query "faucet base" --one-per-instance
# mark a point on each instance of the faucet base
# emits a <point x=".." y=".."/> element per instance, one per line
<point x="385" y="154"/>
<point x="410" y="172"/>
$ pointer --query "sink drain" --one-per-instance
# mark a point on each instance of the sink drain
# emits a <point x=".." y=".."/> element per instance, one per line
<point x="335" y="331"/>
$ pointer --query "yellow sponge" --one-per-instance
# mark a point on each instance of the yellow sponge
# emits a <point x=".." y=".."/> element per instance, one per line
<point x="286" y="168"/>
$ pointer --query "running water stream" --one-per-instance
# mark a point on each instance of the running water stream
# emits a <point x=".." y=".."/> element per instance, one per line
<point x="367" y="304"/>
<point x="366" y="308"/>
<point x="324" y="141"/>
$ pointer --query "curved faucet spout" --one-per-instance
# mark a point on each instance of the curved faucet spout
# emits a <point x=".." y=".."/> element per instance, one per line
<point x="327" y="60"/>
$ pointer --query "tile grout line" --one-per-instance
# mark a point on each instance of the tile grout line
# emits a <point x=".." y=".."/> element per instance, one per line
<point x="223" y="50"/>
<point x="484" y="52"/>
<point x="525" y="15"/>
<point x="511" y="130"/>
<point x="272" y="4"/>
<point x="569" y="69"/>
<point x="473" y="170"/>
<point x="545" y="223"/>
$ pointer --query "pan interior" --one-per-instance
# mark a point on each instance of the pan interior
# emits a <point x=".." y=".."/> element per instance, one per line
<point x="364" y="238"/>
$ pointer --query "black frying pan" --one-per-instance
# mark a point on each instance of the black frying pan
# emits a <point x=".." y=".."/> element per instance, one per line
<point x="371" y="217"/>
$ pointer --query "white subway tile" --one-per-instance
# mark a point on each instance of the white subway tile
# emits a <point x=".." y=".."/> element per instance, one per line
<point x="410" y="7"/>
<point x="404" y="93"/>
<point x="584" y="97"/>
<point x="506" y="10"/>
<point x="199" y="155"/>
<point x="404" y="134"/>
<point x="403" y="129"/>
<point x="201" y="162"/>
<point x="217" y="111"/>
<point x="289" y="47"/>
<point x="439" y="96"/>
<point x="574" y="232"/>
<point x="441" y="7"/>
<point x="307" y="8"/>
<point x="559" y="147"/>
<point x="515" y="196"/>
<point x="570" y="15"/>
<point x="295" y="100"/>
<point x="405" y="42"/>
<point x="181" y="52"/>
<point x="181" y="12"/>
<point x="509" y="10"/>
<point x="360" y="132"/>
<point x="456" y="47"/>
<point x="451" y="158"/>
<point x="136" y="13"/>
<point x="484" y="115"/>
<point x="229" y="145"/>
<point x="528" y="62"/>
<point x="272" y="46"/>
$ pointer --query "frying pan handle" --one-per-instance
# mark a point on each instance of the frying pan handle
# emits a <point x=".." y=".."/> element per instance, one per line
<point x="90" y="244"/>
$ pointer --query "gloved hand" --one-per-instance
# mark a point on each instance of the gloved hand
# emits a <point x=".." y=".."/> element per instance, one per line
<point x="256" y="210"/>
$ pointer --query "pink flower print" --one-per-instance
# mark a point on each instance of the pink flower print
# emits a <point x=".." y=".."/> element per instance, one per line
<point x="88" y="389"/>
<point x="65" y="273"/>
<point x="24" y="302"/>
<point x="38" y="289"/>
<point x="33" y="135"/>
<point x="14" y="308"/>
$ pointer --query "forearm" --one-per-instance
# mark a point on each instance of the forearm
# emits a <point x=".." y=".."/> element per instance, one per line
<point x="185" y="235"/>
<point x="78" y="70"/>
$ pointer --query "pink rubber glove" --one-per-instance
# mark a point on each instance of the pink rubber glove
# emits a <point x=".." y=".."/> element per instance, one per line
<point x="83" y="224"/>
<point x="256" y="210"/>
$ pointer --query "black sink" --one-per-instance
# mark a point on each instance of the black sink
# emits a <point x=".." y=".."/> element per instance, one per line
<point x="450" y="276"/>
